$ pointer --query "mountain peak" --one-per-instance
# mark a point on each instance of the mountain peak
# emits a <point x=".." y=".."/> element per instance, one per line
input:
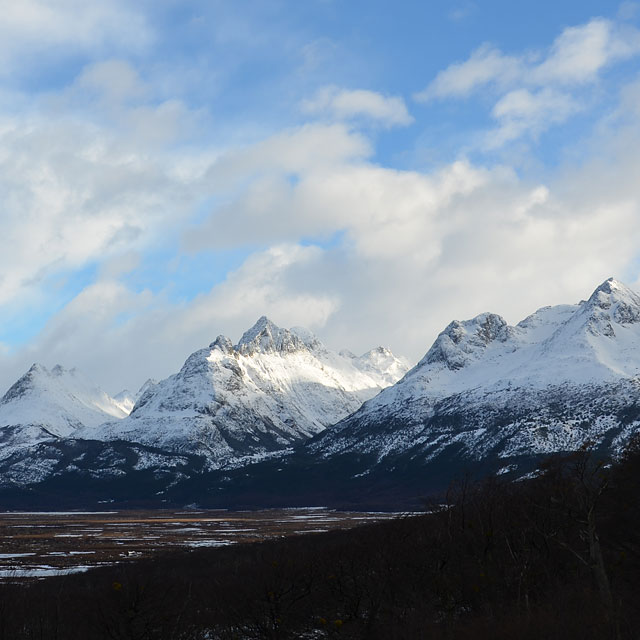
<point x="613" y="287"/>
<point x="36" y="375"/>
<point x="223" y="343"/>
<point x="262" y="323"/>
<point x="59" y="370"/>
<point x="59" y="400"/>
<point x="611" y="302"/>
<point x="39" y="370"/>
<point x="36" y="367"/>
<point x="461" y="342"/>
<point x="267" y="337"/>
<point x="262" y="327"/>
<point x="610" y="285"/>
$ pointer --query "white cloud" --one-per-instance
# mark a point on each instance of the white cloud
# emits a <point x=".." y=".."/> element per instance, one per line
<point x="292" y="151"/>
<point x="580" y="53"/>
<point x="260" y="286"/>
<point x="115" y="80"/>
<point x="70" y="196"/>
<point x="29" y="27"/>
<point x="576" y="56"/>
<point x="339" y="192"/>
<point x="80" y="189"/>
<point x="93" y="175"/>
<point x="120" y="337"/>
<point x="485" y="65"/>
<point x="522" y="111"/>
<point x="537" y="89"/>
<point x="346" y="104"/>
<point x="418" y="250"/>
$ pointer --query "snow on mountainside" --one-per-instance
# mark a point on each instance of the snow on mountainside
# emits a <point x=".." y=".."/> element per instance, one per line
<point x="125" y="400"/>
<point x="564" y="376"/>
<point x="273" y="388"/>
<point x="47" y="404"/>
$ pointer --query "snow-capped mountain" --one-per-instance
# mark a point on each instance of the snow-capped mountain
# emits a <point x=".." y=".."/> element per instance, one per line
<point x="273" y="388"/>
<point x="487" y="391"/>
<point x="48" y="404"/>
<point x="487" y="397"/>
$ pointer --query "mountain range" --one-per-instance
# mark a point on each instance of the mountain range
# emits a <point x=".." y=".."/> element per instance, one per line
<point x="279" y="419"/>
<point x="228" y="405"/>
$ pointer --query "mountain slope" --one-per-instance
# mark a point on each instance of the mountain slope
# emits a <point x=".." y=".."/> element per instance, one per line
<point x="273" y="388"/>
<point x="563" y="377"/>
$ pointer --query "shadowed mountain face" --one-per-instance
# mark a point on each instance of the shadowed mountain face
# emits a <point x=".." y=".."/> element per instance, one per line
<point x="274" y="419"/>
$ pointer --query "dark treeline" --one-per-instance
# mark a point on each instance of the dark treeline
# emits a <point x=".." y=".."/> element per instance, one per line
<point x="553" y="557"/>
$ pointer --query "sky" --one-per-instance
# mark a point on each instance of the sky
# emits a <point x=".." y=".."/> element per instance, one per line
<point x="171" y="170"/>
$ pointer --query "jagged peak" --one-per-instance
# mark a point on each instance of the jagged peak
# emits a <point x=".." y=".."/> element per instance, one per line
<point x="23" y="384"/>
<point x="39" y="370"/>
<point x="36" y="367"/>
<point x="267" y="337"/>
<point x="222" y="343"/>
<point x="58" y="370"/>
<point x="145" y="392"/>
<point x="613" y="290"/>
<point x="485" y="326"/>
<point x="263" y="326"/>
<point x="377" y="353"/>
<point x="461" y="339"/>
<point x="61" y="387"/>
<point x="611" y="302"/>
<point x="610" y="285"/>
<point x="383" y="359"/>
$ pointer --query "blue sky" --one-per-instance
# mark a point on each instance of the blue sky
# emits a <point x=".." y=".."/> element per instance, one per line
<point x="173" y="170"/>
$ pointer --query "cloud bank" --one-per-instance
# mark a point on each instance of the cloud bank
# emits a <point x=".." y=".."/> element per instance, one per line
<point x="112" y="167"/>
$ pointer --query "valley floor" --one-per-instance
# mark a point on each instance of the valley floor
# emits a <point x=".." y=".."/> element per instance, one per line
<point x="43" y="544"/>
<point x="556" y="557"/>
